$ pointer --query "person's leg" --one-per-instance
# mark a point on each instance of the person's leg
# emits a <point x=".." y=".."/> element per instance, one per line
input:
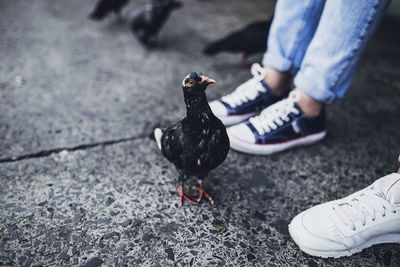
<point x="331" y="58"/>
<point x="291" y="31"/>
<point x="325" y="73"/>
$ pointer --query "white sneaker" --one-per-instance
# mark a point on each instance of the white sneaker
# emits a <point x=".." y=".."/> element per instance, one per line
<point x="247" y="100"/>
<point x="348" y="225"/>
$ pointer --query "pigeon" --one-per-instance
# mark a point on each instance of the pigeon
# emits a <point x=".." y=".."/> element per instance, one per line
<point x="249" y="40"/>
<point x="147" y="20"/>
<point x="105" y="7"/>
<point x="198" y="143"/>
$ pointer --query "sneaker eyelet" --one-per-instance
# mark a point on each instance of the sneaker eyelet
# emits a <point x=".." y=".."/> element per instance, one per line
<point x="394" y="211"/>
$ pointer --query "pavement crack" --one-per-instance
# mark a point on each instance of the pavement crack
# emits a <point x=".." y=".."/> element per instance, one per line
<point x="48" y="152"/>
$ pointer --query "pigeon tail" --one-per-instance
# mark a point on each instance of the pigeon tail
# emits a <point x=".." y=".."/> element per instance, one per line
<point x="157" y="135"/>
<point x="227" y="44"/>
<point x="212" y="49"/>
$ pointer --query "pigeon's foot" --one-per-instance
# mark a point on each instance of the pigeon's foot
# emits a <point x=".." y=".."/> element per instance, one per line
<point x="183" y="196"/>
<point x="203" y="192"/>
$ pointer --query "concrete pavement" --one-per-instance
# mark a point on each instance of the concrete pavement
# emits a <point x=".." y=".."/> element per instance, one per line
<point x="83" y="184"/>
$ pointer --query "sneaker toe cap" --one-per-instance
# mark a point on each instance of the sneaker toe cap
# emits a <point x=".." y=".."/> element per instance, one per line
<point x="218" y="108"/>
<point x="310" y="231"/>
<point x="241" y="133"/>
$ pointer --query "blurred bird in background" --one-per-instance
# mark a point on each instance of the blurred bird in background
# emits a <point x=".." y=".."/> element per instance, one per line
<point x="147" y="20"/>
<point x="198" y="143"/>
<point x="248" y="40"/>
<point x="105" y="7"/>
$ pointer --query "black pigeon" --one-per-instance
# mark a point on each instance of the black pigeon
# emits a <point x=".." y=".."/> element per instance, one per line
<point x="148" y="19"/>
<point x="198" y="143"/>
<point x="105" y="7"/>
<point x="249" y="40"/>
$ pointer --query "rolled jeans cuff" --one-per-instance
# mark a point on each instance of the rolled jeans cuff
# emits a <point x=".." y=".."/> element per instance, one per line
<point x="311" y="88"/>
<point x="279" y="63"/>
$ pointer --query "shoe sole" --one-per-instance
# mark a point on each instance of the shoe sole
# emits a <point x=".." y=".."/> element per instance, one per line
<point x="381" y="239"/>
<point x="235" y="119"/>
<point x="267" y="149"/>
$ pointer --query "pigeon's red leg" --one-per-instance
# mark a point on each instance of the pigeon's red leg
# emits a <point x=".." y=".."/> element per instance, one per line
<point x="203" y="192"/>
<point x="243" y="62"/>
<point x="183" y="196"/>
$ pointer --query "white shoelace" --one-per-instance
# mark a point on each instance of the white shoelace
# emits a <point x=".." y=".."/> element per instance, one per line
<point x="248" y="90"/>
<point x="367" y="204"/>
<point x="275" y="115"/>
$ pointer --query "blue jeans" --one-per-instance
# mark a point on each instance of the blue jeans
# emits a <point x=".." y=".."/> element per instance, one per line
<point x="321" y="41"/>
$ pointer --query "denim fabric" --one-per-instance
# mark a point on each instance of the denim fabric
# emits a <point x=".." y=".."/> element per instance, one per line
<point x="321" y="41"/>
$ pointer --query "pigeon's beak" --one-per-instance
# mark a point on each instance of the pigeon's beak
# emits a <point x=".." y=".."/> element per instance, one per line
<point x="207" y="80"/>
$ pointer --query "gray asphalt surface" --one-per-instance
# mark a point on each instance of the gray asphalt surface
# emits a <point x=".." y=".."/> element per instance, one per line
<point x="83" y="184"/>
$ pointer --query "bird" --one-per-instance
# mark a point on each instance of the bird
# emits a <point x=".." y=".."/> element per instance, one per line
<point x="147" y="20"/>
<point x="105" y="7"/>
<point x="196" y="144"/>
<point x="249" y="40"/>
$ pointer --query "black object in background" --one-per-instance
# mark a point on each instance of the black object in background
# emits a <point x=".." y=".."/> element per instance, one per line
<point x="147" y="20"/>
<point x="248" y="40"/>
<point x="105" y="7"/>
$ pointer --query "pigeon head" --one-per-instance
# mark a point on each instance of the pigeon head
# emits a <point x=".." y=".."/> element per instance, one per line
<point x="196" y="83"/>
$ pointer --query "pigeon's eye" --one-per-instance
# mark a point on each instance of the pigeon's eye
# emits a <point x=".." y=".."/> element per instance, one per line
<point x="190" y="82"/>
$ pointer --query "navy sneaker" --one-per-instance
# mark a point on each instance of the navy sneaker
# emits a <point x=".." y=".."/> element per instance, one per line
<point x="279" y="127"/>
<point x="246" y="101"/>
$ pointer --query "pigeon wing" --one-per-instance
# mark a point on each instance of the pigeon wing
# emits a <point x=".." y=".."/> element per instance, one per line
<point x="172" y="144"/>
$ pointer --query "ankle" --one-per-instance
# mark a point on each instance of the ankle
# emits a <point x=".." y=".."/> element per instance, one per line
<point x="309" y="105"/>
<point x="277" y="81"/>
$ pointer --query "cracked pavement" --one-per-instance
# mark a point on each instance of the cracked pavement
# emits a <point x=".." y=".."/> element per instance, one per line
<point x="82" y="184"/>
